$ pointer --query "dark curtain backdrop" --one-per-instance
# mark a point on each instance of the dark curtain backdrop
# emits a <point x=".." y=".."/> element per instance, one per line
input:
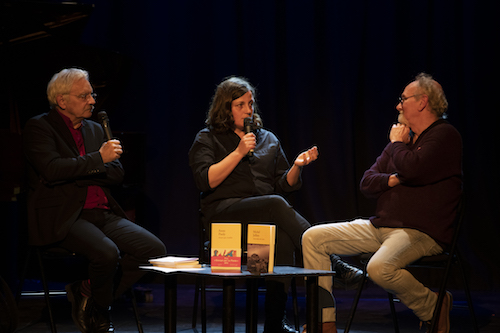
<point x="328" y="73"/>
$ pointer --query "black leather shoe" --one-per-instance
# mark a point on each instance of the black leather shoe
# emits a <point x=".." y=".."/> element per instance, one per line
<point x="346" y="276"/>
<point x="285" y="328"/>
<point x="79" y="306"/>
<point x="100" y="320"/>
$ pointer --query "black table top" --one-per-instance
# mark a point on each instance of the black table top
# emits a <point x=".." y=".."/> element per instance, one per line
<point x="281" y="271"/>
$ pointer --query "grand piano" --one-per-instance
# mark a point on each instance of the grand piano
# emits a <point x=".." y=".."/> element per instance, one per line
<point x="37" y="39"/>
<point x="29" y="33"/>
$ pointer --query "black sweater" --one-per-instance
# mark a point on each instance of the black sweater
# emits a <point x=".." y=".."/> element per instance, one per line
<point x="263" y="174"/>
<point x="430" y="171"/>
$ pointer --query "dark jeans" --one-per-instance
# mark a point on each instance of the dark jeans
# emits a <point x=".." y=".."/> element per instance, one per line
<point x="108" y="242"/>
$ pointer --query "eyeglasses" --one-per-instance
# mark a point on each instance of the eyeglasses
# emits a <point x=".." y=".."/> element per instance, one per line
<point x="402" y="99"/>
<point x="85" y="97"/>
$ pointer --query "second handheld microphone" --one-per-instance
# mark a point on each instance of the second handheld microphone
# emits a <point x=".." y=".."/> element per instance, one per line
<point x="248" y="126"/>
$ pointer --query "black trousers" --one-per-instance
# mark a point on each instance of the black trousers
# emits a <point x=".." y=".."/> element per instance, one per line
<point x="115" y="248"/>
<point x="270" y="209"/>
<point x="290" y="227"/>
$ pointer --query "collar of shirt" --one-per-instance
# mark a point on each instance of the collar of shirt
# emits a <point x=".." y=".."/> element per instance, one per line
<point x="96" y="198"/>
<point x="75" y="132"/>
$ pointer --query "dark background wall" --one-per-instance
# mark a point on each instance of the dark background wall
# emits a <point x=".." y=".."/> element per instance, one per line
<point x="327" y="72"/>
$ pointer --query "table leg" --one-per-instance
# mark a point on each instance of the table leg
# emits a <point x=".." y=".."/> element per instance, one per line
<point x="170" y="307"/>
<point x="312" y="316"/>
<point x="203" y="305"/>
<point x="252" y="305"/>
<point x="228" y="305"/>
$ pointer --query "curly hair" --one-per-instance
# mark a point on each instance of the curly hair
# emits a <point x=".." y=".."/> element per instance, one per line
<point x="62" y="82"/>
<point x="437" y="99"/>
<point x="220" y="117"/>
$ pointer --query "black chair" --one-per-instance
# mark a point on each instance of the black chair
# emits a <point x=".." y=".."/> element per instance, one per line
<point x="200" y="285"/>
<point x="444" y="261"/>
<point x="55" y="253"/>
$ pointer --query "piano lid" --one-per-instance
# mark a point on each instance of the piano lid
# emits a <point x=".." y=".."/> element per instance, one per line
<point x="25" y="21"/>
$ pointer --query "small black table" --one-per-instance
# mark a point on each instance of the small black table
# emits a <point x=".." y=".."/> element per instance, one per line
<point x="229" y="282"/>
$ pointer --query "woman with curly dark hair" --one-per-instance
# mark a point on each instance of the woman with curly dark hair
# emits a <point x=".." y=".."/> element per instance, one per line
<point x="245" y="176"/>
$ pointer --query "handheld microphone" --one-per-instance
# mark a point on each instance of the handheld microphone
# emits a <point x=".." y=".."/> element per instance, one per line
<point x="248" y="125"/>
<point x="103" y="118"/>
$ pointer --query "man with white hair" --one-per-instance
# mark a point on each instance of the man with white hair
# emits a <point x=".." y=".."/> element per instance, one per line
<point x="71" y="167"/>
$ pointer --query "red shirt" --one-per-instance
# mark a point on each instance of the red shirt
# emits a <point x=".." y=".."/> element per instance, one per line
<point x="96" y="198"/>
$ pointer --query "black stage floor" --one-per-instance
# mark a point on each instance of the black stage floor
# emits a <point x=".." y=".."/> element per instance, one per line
<point x="373" y="313"/>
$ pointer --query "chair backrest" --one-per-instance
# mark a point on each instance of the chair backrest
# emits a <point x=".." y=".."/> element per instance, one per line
<point x="459" y="218"/>
<point x="203" y="240"/>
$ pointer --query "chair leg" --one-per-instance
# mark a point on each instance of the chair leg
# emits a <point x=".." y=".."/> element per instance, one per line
<point x="441" y="295"/>
<point x="46" y="291"/>
<point x="23" y="276"/>
<point x="355" y="302"/>
<point x="295" y="304"/>
<point x="136" y="312"/>
<point x="437" y="310"/>
<point x="393" y="312"/>
<point x="252" y="301"/>
<point x="467" y="294"/>
<point x="200" y="288"/>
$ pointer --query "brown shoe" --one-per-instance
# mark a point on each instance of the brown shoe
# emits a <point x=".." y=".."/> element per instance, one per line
<point x="328" y="327"/>
<point x="79" y="306"/>
<point x="443" y="324"/>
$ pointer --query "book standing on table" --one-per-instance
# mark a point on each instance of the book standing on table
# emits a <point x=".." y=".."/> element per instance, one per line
<point x="225" y="252"/>
<point x="261" y="248"/>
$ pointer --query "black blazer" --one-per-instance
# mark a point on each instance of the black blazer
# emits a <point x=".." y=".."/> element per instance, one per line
<point x="58" y="176"/>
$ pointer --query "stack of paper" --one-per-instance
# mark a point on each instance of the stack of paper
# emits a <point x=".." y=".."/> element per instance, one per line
<point x="176" y="262"/>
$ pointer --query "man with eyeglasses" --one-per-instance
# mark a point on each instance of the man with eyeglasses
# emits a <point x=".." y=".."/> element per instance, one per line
<point x="417" y="182"/>
<point x="71" y="167"/>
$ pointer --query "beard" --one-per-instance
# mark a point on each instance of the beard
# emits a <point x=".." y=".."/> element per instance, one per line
<point x="403" y="120"/>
